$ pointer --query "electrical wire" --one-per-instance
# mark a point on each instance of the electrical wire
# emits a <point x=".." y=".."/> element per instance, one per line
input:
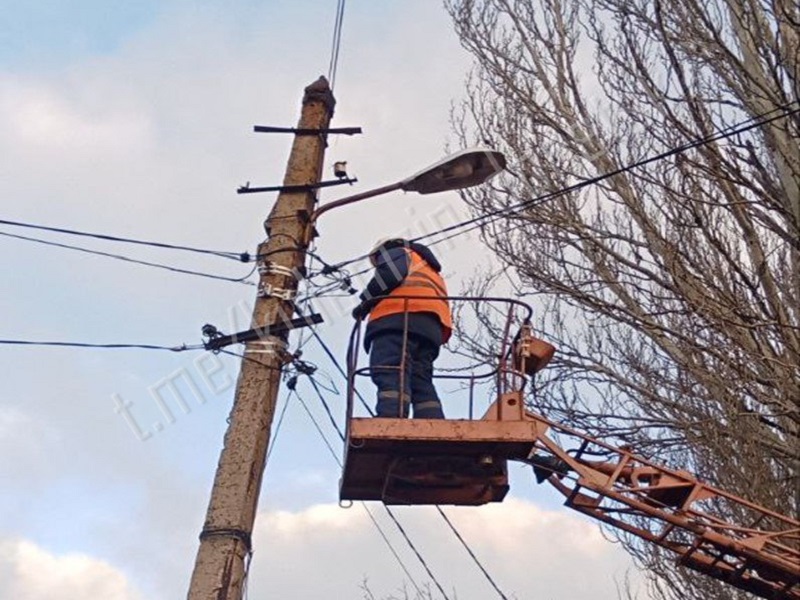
<point x="133" y="260"/>
<point x="375" y="522"/>
<point x="419" y="556"/>
<point x="318" y="428"/>
<point x="242" y="257"/>
<point x="274" y="437"/>
<point x="338" y="366"/>
<point x="471" y="553"/>
<point x="484" y="219"/>
<point x="336" y="43"/>
<point x="181" y="348"/>
<point x="391" y="548"/>
<point x="326" y="406"/>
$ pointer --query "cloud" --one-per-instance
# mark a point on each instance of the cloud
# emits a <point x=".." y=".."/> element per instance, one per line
<point x="38" y="117"/>
<point x="28" y="572"/>
<point x="529" y="552"/>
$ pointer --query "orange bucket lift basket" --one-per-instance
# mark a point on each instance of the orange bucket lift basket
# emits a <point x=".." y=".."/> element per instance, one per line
<point x="445" y="461"/>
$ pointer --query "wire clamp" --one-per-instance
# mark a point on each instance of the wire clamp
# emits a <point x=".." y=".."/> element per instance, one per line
<point x="229" y="532"/>
<point x="273" y="346"/>
<point x="266" y="290"/>
<point x="270" y="268"/>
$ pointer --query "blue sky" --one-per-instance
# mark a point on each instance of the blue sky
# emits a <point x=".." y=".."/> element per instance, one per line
<point x="135" y="119"/>
<point x="37" y="35"/>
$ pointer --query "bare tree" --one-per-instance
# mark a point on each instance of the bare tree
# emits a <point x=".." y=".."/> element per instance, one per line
<point x="672" y="289"/>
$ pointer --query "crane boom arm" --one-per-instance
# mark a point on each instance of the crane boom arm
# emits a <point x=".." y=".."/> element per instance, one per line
<point x="758" y="553"/>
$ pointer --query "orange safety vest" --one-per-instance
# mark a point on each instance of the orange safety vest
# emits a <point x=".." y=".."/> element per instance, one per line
<point x="422" y="280"/>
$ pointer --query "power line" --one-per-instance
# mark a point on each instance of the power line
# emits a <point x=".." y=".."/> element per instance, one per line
<point x="250" y="258"/>
<point x="419" y="556"/>
<point x="391" y="548"/>
<point x="480" y="220"/>
<point x="363" y="504"/>
<point x="181" y="348"/>
<point x="326" y="406"/>
<point x="335" y="361"/>
<point x="471" y="553"/>
<point x="317" y="427"/>
<point x="336" y="43"/>
<point x="274" y="436"/>
<point x="132" y="260"/>
<point x="242" y="257"/>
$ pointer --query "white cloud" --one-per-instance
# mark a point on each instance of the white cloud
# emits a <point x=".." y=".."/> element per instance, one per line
<point x="28" y="572"/>
<point x="38" y="117"/>
<point x="529" y="552"/>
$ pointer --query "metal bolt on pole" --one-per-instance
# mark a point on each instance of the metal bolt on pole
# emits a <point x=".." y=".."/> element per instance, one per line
<point x="225" y="542"/>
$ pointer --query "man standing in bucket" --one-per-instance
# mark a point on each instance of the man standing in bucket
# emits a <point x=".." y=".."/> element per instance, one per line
<point x="404" y="268"/>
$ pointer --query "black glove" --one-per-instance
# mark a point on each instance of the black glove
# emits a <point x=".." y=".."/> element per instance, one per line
<point x="362" y="310"/>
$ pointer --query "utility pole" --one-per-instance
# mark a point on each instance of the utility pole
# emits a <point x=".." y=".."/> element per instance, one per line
<point x="225" y="542"/>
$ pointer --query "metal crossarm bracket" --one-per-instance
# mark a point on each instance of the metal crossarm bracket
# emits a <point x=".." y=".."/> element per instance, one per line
<point x="266" y="290"/>
<point x="307" y="187"/>
<point x="259" y="333"/>
<point x="304" y="131"/>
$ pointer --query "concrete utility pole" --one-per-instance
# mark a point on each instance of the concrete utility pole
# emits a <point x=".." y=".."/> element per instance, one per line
<point x="225" y="540"/>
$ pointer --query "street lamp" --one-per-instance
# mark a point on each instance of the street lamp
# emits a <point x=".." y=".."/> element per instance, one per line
<point x="455" y="172"/>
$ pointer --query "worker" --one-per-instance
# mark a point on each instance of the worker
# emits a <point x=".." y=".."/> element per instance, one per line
<point x="404" y="268"/>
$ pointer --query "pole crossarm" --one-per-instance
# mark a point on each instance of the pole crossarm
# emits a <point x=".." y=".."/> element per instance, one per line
<point x="306" y="187"/>
<point x="307" y="131"/>
<point x="218" y="341"/>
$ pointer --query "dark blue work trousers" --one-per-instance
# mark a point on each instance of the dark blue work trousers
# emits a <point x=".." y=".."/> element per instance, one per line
<point x="399" y="381"/>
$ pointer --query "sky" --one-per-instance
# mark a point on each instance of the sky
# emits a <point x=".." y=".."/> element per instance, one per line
<point x="135" y="120"/>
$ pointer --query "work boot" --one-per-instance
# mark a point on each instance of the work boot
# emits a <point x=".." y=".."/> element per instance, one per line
<point x="545" y="466"/>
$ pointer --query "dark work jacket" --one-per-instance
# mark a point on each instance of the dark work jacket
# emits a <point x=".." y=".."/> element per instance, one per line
<point x="390" y="270"/>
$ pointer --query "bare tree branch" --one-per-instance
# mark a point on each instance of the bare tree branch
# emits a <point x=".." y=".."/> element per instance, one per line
<point x="673" y="290"/>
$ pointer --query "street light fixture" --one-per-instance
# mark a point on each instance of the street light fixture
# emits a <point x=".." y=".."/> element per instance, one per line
<point x="461" y="170"/>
